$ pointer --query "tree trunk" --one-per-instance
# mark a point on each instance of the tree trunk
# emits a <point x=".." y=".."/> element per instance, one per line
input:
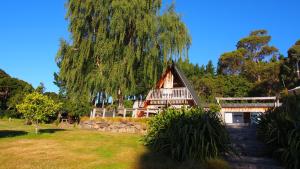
<point x="37" y="127"/>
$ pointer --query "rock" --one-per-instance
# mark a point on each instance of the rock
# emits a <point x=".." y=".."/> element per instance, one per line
<point x="122" y="130"/>
<point x="96" y="126"/>
<point x="115" y="127"/>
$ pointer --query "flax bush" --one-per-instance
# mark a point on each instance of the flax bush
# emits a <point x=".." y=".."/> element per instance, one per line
<point x="280" y="130"/>
<point x="188" y="135"/>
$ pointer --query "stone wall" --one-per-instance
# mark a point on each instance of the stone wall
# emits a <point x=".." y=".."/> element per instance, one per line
<point x="115" y="126"/>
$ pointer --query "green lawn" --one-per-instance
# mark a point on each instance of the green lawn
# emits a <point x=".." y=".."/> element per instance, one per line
<point x="55" y="148"/>
<point x="71" y="148"/>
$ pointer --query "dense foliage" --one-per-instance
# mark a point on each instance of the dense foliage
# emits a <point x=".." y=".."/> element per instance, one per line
<point x="37" y="108"/>
<point x="118" y="45"/>
<point x="280" y="129"/>
<point x="12" y="92"/>
<point x="253" y="69"/>
<point x="188" y="134"/>
<point x="288" y="70"/>
<point x="129" y="51"/>
<point x="75" y="109"/>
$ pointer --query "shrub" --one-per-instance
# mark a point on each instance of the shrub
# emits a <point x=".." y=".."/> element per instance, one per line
<point x="280" y="130"/>
<point x="38" y="108"/>
<point x="128" y="103"/>
<point x="188" y="134"/>
<point x="76" y="109"/>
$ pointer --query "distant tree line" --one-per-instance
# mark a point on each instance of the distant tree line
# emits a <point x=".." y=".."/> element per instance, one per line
<point x="12" y="92"/>
<point x="254" y="69"/>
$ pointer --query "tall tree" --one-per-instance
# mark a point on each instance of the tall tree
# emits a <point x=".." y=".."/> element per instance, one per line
<point x="257" y="51"/>
<point x="210" y="69"/>
<point x="118" y="45"/>
<point x="289" y="70"/>
<point x="231" y="63"/>
<point x="257" y="46"/>
<point x="255" y="60"/>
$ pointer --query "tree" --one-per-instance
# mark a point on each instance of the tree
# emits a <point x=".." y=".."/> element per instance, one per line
<point x="257" y="46"/>
<point x="288" y="69"/>
<point x="76" y="108"/>
<point x="3" y="74"/>
<point x="255" y="60"/>
<point x="231" y="63"/>
<point x="210" y="69"/>
<point x="37" y="108"/>
<point x="13" y="91"/>
<point x="209" y="87"/>
<point x="41" y="88"/>
<point x="118" y="45"/>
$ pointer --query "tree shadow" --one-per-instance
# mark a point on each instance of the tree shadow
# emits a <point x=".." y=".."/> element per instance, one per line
<point x="11" y="133"/>
<point x="155" y="160"/>
<point x="50" y="131"/>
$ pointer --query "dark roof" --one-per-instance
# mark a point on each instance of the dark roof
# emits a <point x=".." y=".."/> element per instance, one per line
<point x="247" y="105"/>
<point x="187" y="84"/>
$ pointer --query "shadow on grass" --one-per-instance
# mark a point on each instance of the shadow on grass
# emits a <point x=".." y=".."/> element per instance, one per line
<point x="155" y="160"/>
<point x="50" y="130"/>
<point x="11" y="133"/>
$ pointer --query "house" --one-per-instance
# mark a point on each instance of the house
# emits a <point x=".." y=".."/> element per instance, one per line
<point x="245" y="110"/>
<point x="172" y="90"/>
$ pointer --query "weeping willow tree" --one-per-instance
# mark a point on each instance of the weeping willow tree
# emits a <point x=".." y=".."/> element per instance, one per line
<point x="118" y="44"/>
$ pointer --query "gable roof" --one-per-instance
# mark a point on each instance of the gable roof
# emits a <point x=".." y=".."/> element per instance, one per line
<point x="174" y="69"/>
<point x="187" y="84"/>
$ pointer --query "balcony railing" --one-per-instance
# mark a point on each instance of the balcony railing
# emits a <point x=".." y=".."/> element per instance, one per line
<point x="180" y="93"/>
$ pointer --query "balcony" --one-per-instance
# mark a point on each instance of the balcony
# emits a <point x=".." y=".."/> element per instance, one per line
<point x="180" y="93"/>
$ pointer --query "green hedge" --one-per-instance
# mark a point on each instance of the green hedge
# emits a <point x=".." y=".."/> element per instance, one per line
<point x="188" y="135"/>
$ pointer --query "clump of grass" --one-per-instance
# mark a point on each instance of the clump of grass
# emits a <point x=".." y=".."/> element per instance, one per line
<point x="192" y="134"/>
<point x="280" y="130"/>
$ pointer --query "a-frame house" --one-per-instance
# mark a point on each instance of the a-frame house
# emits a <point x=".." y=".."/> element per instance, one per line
<point x="172" y="90"/>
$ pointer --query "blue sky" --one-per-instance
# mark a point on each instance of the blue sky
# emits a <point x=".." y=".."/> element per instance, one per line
<point x="30" y="31"/>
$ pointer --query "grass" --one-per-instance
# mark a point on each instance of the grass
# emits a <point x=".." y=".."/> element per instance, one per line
<point x="66" y="149"/>
<point x="56" y="148"/>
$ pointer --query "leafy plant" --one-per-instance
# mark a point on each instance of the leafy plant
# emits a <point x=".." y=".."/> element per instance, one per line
<point x="128" y="103"/>
<point x="37" y="108"/>
<point x="77" y="108"/>
<point x="188" y="135"/>
<point x="280" y="129"/>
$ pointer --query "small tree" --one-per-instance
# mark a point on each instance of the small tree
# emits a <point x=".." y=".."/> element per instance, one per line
<point x="38" y="108"/>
